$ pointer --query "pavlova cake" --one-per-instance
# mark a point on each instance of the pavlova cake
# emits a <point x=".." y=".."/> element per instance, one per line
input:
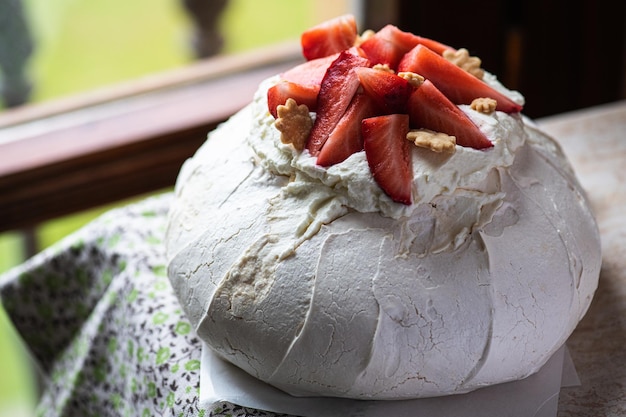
<point x="382" y="222"/>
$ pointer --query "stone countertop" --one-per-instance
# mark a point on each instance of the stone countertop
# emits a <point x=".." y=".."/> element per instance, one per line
<point x="595" y="142"/>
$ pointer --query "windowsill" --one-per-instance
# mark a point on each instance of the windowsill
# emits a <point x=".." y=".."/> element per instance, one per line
<point x="80" y="152"/>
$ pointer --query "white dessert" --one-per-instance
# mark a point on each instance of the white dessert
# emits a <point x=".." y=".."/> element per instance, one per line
<point x="313" y="280"/>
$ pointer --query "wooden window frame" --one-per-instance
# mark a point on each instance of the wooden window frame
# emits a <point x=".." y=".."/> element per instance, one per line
<point x="72" y="154"/>
<point x="69" y="155"/>
<point x="91" y="149"/>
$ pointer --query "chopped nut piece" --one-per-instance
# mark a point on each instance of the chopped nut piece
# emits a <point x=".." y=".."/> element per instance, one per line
<point x="363" y="37"/>
<point x="435" y="141"/>
<point x="414" y="79"/>
<point x="484" y="105"/>
<point x="294" y="122"/>
<point x="462" y="58"/>
<point x="383" y="67"/>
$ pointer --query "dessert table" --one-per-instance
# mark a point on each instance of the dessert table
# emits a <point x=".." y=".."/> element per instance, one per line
<point x="110" y="339"/>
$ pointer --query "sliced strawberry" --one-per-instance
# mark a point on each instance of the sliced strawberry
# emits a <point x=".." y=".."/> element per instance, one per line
<point x="429" y="108"/>
<point x="458" y="85"/>
<point x="407" y="40"/>
<point x="329" y="37"/>
<point x="346" y="138"/>
<point x="389" y="91"/>
<point x="312" y="72"/>
<point x="389" y="154"/>
<point x="302" y="94"/>
<point x="408" y="61"/>
<point x="338" y="87"/>
<point x="309" y="72"/>
<point x="389" y="45"/>
<point x="382" y="51"/>
<point x="356" y="50"/>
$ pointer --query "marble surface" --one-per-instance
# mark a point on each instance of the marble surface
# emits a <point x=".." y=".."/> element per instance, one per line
<point x="595" y="141"/>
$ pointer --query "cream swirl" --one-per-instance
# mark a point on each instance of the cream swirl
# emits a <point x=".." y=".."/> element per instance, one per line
<point x="467" y="175"/>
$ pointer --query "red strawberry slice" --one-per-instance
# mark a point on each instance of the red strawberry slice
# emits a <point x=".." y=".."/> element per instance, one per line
<point x="309" y="72"/>
<point x="337" y="89"/>
<point x="389" y="45"/>
<point x="430" y="109"/>
<point x="389" y="154"/>
<point x="408" y="61"/>
<point x="389" y="91"/>
<point x="329" y="37"/>
<point x="458" y="85"/>
<point x="302" y="94"/>
<point x="407" y="40"/>
<point x="346" y="138"/>
<point x="382" y="51"/>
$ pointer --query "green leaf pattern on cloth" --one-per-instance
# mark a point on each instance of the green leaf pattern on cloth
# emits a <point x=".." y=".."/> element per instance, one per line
<point x="102" y="322"/>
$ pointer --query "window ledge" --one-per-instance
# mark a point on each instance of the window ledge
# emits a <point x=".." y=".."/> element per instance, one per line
<point x="80" y="152"/>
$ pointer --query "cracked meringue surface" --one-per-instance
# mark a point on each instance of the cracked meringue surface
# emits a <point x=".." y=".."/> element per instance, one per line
<point x="314" y="281"/>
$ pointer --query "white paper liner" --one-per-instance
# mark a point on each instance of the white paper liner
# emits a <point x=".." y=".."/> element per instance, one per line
<point x="535" y="396"/>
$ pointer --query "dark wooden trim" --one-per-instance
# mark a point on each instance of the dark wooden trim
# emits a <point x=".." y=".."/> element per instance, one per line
<point x="562" y="55"/>
<point x="77" y="153"/>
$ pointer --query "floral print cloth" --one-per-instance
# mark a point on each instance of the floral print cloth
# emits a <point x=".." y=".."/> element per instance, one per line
<point x="103" y="324"/>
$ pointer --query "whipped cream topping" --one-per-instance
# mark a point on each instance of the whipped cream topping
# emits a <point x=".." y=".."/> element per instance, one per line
<point x="313" y="280"/>
<point x="467" y="174"/>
